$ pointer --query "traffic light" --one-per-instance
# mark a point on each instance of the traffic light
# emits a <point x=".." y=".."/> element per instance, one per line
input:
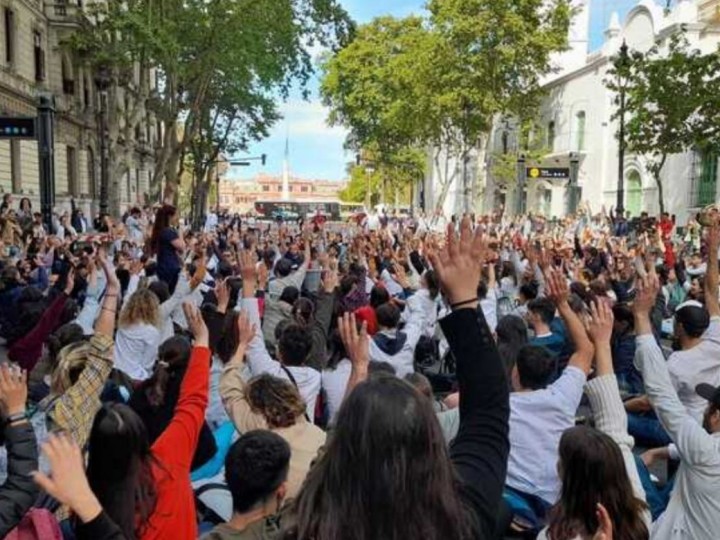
<point x="264" y="159"/>
<point x="17" y="128"/>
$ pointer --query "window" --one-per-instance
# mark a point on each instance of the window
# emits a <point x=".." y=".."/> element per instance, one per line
<point x="127" y="186"/>
<point x="91" y="173"/>
<point x="15" y="171"/>
<point x="551" y="136"/>
<point x="71" y="164"/>
<point x="266" y="188"/>
<point x="580" y="131"/>
<point x="237" y="200"/>
<point x="67" y="79"/>
<point x="704" y="181"/>
<point x="38" y="56"/>
<point x="9" y="22"/>
<point x="136" y="189"/>
<point x="304" y="189"/>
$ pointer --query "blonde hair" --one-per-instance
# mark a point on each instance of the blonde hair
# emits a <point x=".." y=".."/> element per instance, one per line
<point x="71" y="360"/>
<point x="141" y="307"/>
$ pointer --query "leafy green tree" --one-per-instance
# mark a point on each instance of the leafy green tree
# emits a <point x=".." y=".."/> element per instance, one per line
<point x="438" y="82"/>
<point x="671" y="105"/>
<point x="220" y="67"/>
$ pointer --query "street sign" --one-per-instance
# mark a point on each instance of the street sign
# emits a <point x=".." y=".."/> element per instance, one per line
<point x="550" y="173"/>
<point x="17" y="128"/>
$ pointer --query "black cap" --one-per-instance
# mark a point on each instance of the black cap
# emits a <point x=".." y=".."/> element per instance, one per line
<point x="695" y="319"/>
<point x="709" y="392"/>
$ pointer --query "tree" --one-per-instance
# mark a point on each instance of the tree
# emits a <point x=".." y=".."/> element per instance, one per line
<point x="671" y="102"/>
<point x="438" y="82"/>
<point x="221" y="66"/>
<point x="531" y="142"/>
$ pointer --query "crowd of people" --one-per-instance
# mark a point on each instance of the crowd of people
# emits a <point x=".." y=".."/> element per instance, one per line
<point x="482" y="377"/>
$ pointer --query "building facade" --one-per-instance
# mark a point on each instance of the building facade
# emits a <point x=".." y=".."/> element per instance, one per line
<point x="577" y="116"/>
<point x="33" y="63"/>
<point x="239" y="196"/>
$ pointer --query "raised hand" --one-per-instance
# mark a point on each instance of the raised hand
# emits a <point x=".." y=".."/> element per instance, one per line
<point x="330" y="281"/>
<point x="357" y="344"/>
<point x="262" y="276"/>
<point x="248" y="266"/>
<point x="13" y="389"/>
<point x="646" y="291"/>
<point x="459" y="264"/>
<point x="68" y="483"/>
<point x="601" y="323"/>
<point x="70" y="281"/>
<point x="557" y="287"/>
<point x="197" y="324"/>
<point x="222" y="293"/>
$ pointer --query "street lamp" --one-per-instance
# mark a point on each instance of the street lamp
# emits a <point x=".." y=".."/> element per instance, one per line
<point x="103" y="79"/>
<point x="621" y="64"/>
<point x="574" y="188"/>
<point x="520" y="188"/>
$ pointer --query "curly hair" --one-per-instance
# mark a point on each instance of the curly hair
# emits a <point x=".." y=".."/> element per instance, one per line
<point x="142" y="307"/>
<point x="278" y="401"/>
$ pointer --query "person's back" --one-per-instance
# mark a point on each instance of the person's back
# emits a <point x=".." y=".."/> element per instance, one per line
<point x="256" y="470"/>
<point x="538" y="419"/>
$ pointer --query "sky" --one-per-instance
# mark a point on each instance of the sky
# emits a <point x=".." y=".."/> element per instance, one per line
<point x="316" y="149"/>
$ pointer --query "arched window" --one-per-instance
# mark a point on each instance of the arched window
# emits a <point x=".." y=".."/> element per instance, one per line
<point x="633" y="193"/>
<point x="551" y="136"/>
<point x="580" y="131"/>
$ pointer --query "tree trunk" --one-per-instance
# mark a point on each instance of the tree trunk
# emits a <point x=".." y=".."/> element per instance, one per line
<point x="661" y="198"/>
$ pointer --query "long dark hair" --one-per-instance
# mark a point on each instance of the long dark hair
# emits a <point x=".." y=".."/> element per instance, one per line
<point x="593" y="471"/>
<point x="119" y="468"/>
<point x="163" y="218"/>
<point x="386" y="473"/>
<point x="432" y="283"/>
<point x="172" y="361"/>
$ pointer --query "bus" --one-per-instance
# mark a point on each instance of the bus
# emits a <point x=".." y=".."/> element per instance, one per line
<point x="296" y="210"/>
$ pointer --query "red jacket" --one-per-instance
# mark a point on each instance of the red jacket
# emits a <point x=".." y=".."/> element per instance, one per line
<point x="174" y="516"/>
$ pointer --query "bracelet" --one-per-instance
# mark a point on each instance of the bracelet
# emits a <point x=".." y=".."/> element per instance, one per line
<point x="108" y="309"/>
<point x="463" y="303"/>
<point x="17" y="417"/>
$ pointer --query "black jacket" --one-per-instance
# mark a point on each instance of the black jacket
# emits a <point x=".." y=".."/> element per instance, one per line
<point x="19" y="491"/>
<point x="480" y="450"/>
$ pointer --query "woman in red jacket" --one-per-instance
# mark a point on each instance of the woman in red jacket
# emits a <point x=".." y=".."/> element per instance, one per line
<point x="146" y="489"/>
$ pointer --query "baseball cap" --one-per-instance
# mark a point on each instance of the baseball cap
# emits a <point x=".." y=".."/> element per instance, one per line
<point x="709" y="392"/>
<point x="693" y="316"/>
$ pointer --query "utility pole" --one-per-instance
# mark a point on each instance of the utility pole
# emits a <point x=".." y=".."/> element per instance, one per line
<point x="102" y="81"/>
<point x="46" y="153"/>
<point x="621" y="65"/>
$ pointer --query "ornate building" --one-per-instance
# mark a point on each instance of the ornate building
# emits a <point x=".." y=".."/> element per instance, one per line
<point x="32" y="62"/>
<point x="239" y="196"/>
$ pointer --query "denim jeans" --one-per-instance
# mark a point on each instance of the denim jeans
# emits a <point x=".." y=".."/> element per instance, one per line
<point x="647" y="430"/>
<point x="657" y="498"/>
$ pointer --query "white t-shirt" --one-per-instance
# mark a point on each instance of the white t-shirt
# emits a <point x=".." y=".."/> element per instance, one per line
<point x="537" y="421"/>
<point x="701" y="364"/>
<point x="334" y="382"/>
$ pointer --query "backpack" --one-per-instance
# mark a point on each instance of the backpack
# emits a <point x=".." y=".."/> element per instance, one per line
<point x="37" y="524"/>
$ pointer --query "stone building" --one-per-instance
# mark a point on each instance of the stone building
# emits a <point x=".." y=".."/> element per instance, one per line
<point x="33" y="62"/>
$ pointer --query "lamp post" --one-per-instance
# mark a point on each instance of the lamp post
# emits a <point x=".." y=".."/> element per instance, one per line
<point x="102" y="82"/>
<point x="520" y="188"/>
<point x="244" y="162"/>
<point x="573" y="185"/>
<point x="621" y="65"/>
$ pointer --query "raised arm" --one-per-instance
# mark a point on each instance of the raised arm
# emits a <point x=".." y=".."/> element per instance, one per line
<point x="233" y="387"/>
<point x="179" y="440"/>
<point x="80" y="403"/>
<point x="19" y="492"/>
<point x="27" y="350"/>
<point x="481" y="447"/>
<point x="694" y="444"/>
<point x="604" y="394"/>
<point x="559" y="292"/>
<point x="711" y="277"/>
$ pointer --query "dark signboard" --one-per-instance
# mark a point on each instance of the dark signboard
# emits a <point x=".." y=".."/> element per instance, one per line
<point x="17" y="128"/>
<point x="549" y="173"/>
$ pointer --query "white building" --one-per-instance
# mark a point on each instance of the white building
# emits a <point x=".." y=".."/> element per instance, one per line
<point x="577" y="118"/>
